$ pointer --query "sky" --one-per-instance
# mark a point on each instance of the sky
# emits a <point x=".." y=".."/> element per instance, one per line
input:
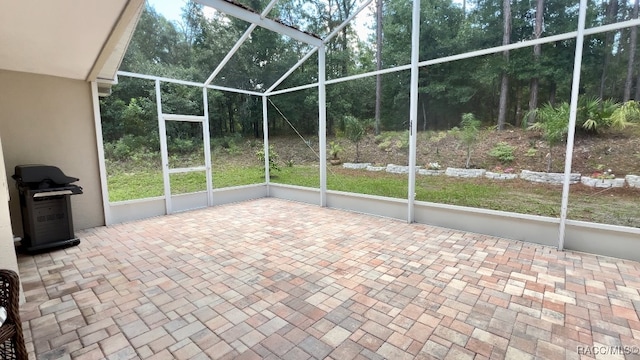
<point x="172" y="10"/>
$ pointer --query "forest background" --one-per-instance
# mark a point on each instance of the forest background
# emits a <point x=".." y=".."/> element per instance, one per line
<point x="499" y="89"/>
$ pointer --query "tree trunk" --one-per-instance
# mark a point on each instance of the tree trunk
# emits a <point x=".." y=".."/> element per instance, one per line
<point x="378" y="64"/>
<point x="346" y="6"/>
<point x="468" y="157"/>
<point x="612" y="11"/>
<point x="424" y="116"/>
<point x="552" y="93"/>
<point x="632" y="53"/>
<point x="504" y="84"/>
<point x="637" y="96"/>
<point x="537" y="52"/>
<point x="502" y="110"/>
<point x="518" y="114"/>
<point x="230" y="113"/>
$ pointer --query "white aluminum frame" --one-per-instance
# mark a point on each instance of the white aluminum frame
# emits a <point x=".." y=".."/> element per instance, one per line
<point x="206" y="142"/>
<point x="239" y="43"/>
<point x="573" y="111"/>
<point x="104" y="187"/>
<point x="322" y="123"/>
<point x="166" y="170"/>
<point x="413" y="108"/>
<point x="414" y="65"/>
<point x="164" y="153"/>
<point x="253" y="18"/>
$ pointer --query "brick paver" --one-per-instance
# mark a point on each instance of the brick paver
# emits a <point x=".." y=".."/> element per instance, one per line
<point x="277" y="279"/>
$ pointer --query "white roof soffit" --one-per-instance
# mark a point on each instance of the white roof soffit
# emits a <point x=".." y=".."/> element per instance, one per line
<point x="107" y="64"/>
<point x="76" y="39"/>
<point x="237" y="11"/>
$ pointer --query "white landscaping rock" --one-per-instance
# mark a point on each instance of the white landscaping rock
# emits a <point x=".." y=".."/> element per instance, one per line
<point x="355" y="165"/>
<point x="399" y="169"/>
<point x="602" y="183"/>
<point x="376" y="168"/>
<point x="465" y="173"/>
<point x="548" y="178"/>
<point x="500" y="176"/>
<point x="633" y="180"/>
<point x="430" y="172"/>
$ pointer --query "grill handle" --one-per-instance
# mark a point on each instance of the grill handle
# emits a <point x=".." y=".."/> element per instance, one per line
<point x="52" y="193"/>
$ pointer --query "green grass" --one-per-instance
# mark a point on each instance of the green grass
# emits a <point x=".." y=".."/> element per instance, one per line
<point x="183" y="183"/>
<point x="308" y="176"/>
<point x="226" y="176"/>
<point x="148" y="183"/>
<point x="617" y="207"/>
<point x="481" y="193"/>
<point x="138" y="185"/>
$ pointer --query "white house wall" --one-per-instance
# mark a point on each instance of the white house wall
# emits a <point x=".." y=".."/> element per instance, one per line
<point x="49" y="120"/>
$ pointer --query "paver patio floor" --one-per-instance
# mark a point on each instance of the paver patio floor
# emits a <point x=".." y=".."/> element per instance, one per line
<point x="276" y="279"/>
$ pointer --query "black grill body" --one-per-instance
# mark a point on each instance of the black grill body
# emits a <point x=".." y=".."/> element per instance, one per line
<point x="45" y="203"/>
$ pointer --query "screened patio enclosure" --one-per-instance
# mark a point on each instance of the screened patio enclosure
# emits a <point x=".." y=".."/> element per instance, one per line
<point x="562" y="231"/>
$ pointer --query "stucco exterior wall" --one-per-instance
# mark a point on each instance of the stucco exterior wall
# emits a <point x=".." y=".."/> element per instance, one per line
<point x="49" y="120"/>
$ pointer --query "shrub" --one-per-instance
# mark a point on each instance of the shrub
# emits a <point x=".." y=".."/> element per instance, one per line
<point x="385" y="145"/>
<point x="381" y="137"/>
<point x="335" y="149"/>
<point x="625" y="115"/>
<point x="594" y="114"/>
<point x="273" y="157"/>
<point x="125" y="147"/>
<point x="182" y="146"/>
<point x="403" y="142"/>
<point x="531" y="152"/>
<point x="503" y="152"/>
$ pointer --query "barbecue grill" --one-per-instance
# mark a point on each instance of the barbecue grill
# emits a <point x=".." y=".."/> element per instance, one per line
<point x="45" y="203"/>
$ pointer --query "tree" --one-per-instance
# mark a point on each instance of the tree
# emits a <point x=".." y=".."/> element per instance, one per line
<point x="378" y="63"/>
<point x="504" y="83"/>
<point x="470" y="129"/>
<point x="537" y="51"/>
<point x="612" y="13"/>
<point x="633" y="36"/>
<point x="355" y="131"/>
<point x="553" y="123"/>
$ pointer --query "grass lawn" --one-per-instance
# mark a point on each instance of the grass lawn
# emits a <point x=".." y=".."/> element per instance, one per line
<point x="612" y="206"/>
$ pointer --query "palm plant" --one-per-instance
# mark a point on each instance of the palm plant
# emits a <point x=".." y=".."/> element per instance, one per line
<point x="625" y="115"/>
<point x="594" y="114"/>
<point x="355" y="131"/>
<point x="553" y="123"/>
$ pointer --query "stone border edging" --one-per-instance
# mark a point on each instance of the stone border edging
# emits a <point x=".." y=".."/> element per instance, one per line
<point x="356" y="166"/>
<point x="602" y="183"/>
<point x="633" y="180"/>
<point x="533" y="176"/>
<point x="465" y="173"/>
<point x="500" y="176"/>
<point x="548" y="178"/>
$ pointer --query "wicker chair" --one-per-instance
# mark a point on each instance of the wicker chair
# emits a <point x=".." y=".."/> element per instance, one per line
<point x="12" y="345"/>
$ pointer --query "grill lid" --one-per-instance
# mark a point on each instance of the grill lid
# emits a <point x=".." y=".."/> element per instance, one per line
<point x="35" y="174"/>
